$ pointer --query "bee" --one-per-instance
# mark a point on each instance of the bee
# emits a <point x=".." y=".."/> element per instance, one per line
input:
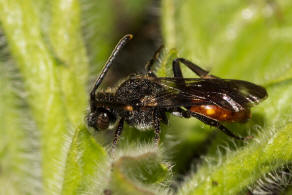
<point x="143" y="100"/>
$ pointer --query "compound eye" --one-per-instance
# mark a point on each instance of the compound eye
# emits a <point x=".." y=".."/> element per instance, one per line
<point x="103" y="120"/>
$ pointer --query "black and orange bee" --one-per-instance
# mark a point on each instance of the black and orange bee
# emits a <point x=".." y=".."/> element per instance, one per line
<point x="144" y="99"/>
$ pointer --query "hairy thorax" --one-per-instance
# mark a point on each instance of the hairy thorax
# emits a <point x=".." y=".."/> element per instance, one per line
<point x="134" y="94"/>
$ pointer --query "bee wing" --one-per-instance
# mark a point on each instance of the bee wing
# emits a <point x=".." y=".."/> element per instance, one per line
<point x="235" y="95"/>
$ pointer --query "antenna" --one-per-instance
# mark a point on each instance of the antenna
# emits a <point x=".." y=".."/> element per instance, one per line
<point x="123" y="41"/>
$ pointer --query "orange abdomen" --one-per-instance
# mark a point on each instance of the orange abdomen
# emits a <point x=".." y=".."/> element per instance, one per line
<point x="221" y="114"/>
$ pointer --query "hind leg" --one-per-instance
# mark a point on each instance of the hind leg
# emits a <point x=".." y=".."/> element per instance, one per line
<point x="219" y="126"/>
<point x="195" y="68"/>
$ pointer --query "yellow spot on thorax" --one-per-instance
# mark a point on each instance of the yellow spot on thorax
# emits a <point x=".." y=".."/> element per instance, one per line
<point x="128" y="108"/>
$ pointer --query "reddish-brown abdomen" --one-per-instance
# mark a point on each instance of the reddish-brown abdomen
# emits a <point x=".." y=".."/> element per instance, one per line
<point x="221" y="114"/>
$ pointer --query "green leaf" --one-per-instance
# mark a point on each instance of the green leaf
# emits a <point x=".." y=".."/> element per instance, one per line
<point x="85" y="160"/>
<point x="45" y="40"/>
<point x="20" y="162"/>
<point x="139" y="172"/>
<point x="70" y="54"/>
<point x="43" y="83"/>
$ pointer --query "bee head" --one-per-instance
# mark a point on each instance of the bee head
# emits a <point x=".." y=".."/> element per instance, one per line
<point x="101" y="119"/>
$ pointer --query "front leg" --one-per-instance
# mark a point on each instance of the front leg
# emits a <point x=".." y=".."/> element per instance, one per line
<point x="156" y="124"/>
<point x="118" y="133"/>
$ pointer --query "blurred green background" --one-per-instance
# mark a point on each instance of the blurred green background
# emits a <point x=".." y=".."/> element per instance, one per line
<point x="51" y="52"/>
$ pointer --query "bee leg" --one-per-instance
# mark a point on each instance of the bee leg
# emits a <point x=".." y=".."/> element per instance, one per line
<point x="117" y="134"/>
<point x="216" y="124"/>
<point x="163" y="117"/>
<point x="149" y="65"/>
<point x="156" y="127"/>
<point x="195" y="68"/>
<point x="177" y="72"/>
<point x="176" y="69"/>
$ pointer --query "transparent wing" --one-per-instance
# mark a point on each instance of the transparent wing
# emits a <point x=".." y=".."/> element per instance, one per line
<point x="234" y="95"/>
